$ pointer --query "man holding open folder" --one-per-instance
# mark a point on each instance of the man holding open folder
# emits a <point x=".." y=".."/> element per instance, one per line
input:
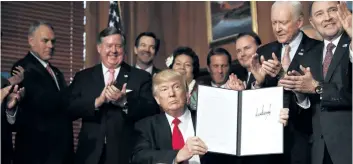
<point x="170" y="137"/>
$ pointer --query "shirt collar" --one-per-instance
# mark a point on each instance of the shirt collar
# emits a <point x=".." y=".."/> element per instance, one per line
<point x="148" y="69"/>
<point x="191" y="86"/>
<point x="44" y="63"/>
<point x="183" y="118"/>
<point x="105" y="69"/>
<point x="296" y="41"/>
<point x="214" y="85"/>
<point x="335" y="41"/>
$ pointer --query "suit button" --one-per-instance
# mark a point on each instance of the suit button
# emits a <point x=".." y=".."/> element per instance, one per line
<point x="321" y="136"/>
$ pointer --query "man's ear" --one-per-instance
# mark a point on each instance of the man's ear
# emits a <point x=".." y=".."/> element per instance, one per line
<point x="99" y="48"/>
<point x="31" y="41"/>
<point x="157" y="100"/>
<point x="300" y="22"/>
<point x="135" y="50"/>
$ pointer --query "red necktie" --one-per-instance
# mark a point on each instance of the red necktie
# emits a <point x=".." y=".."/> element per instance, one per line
<point x="328" y="58"/>
<point x="177" y="137"/>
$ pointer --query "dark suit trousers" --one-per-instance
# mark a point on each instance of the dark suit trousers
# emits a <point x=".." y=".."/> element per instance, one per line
<point x="327" y="158"/>
<point x="103" y="155"/>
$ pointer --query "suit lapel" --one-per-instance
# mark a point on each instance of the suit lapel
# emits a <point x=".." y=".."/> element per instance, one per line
<point x="154" y="70"/>
<point x="294" y="65"/>
<point x="98" y="77"/>
<point x="251" y="79"/>
<point x="59" y="77"/>
<point x="164" y="132"/>
<point x="316" y="67"/>
<point x="193" y="118"/>
<point x="123" y="75"/>
<point x="43" y="71"/>
<point x="337" y="56"/>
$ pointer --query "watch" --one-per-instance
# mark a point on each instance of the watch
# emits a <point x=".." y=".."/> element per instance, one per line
<point x="318" y="89"/>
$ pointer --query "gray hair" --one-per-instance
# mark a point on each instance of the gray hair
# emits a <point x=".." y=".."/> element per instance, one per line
<point x="34" y="26"/>
<point x="297" y="8"/>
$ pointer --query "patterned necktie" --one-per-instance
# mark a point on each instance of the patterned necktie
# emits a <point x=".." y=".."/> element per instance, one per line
<point x="111" y="76"/>
<point x="286" y="58"/>
<point x="328" y="58"/>
<point x="51" y="72"/>
<point x="177" y="137"/>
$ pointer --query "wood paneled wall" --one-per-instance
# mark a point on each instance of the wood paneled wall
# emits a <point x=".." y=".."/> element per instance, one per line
<point x="176" y="24"/>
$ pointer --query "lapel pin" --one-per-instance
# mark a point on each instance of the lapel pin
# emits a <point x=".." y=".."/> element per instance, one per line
<point x="126" y="76"/>
<point x="300" y="53"/>
<point x="301" y="49"/>
<point x="345" y="45"/>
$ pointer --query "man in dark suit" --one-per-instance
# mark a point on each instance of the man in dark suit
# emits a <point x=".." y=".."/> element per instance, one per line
<point x="109" y="97"/>
<point x="286" y="54"/>
<point x="246" y="45"/>
<point x="327" y="79"/>
<point x="44" y="130"/>
<point x="168" y="137"/>
<point x="146" y="49"/>
<point x="218" y="66"/>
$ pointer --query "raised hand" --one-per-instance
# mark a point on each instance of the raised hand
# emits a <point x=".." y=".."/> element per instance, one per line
<point x="114" y="94"/>
<point x="4" y="92"/>
<point x="101" y="99"/>
<point x="17" y="75"/>
<point x="301" y="83"/>
<point x="14" y="97"/>
<point x="345" y="17"/>
<point x="272" y="66"/>
<point x="234" y="83"/>
<point x="257" y="69"/>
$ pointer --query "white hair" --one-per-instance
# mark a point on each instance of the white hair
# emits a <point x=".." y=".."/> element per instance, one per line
<point x="297" y="8"/>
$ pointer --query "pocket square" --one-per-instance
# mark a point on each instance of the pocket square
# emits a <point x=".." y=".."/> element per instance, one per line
<point x="128" y="90"/>
<point x="345" y="45"/>
<point x="300" y="53"/>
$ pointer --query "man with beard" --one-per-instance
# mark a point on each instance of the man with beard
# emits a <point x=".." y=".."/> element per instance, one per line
<point x="146" y="48"/>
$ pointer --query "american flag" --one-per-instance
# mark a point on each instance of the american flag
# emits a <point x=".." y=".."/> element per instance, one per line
<point x="114" y="16"/>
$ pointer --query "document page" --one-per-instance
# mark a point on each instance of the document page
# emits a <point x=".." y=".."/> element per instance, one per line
<point x="261" y="131"/>
<point x="217" y="119"/>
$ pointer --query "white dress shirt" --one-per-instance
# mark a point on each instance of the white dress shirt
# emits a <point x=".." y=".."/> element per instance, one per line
<point x="326" y="42"/>
<point x="216" y="86"/>
<point x="149" y="69"/>
<point x="106" y="73"/>
<point x="247" y="80"/>
<point x="186" y="128"/>
<point x="294" y="45"/>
